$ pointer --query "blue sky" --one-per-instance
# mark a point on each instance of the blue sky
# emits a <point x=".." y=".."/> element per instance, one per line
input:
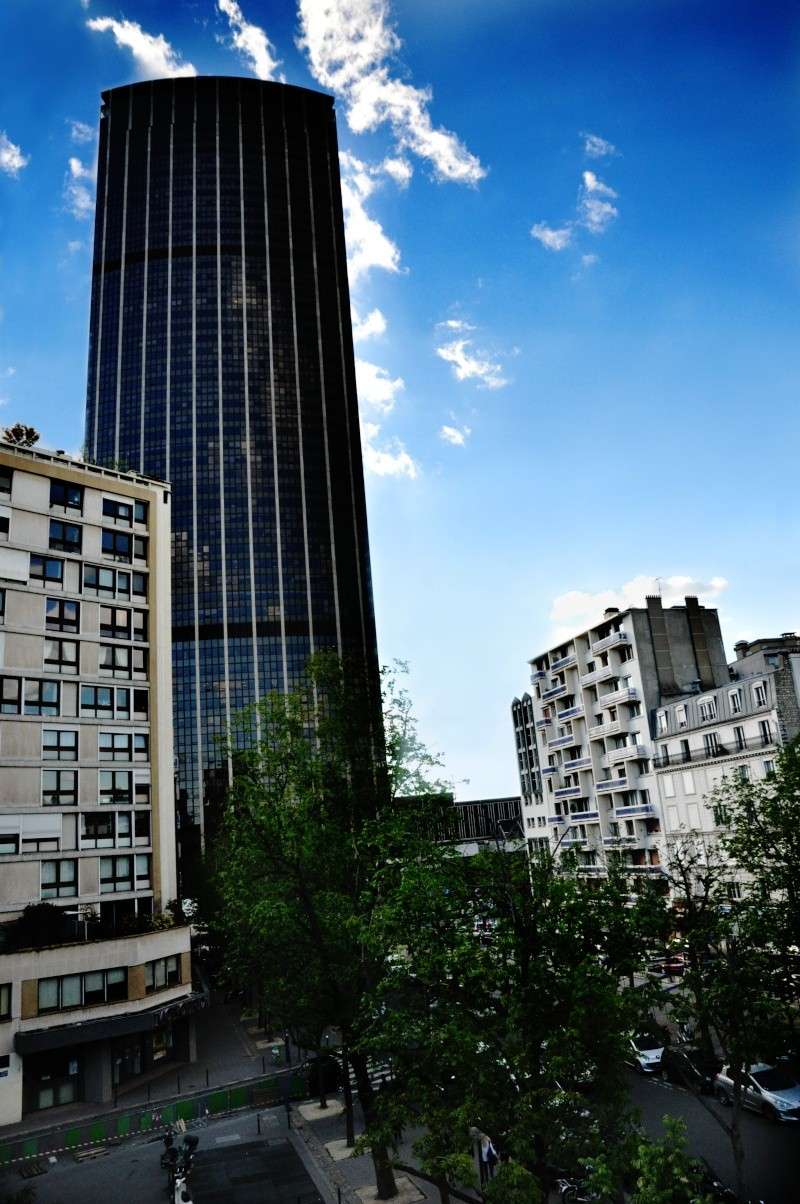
<point x="575" y="235"/>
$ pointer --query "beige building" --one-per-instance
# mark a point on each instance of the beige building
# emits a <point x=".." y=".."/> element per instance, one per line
<point x="95" y="987"/>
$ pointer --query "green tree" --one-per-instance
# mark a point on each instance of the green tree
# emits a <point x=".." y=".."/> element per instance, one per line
<point x="22" y="435"/>
<point x="664" y="1172"/>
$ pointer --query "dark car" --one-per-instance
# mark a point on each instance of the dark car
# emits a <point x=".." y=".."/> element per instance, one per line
<point x="690" y="1066"/>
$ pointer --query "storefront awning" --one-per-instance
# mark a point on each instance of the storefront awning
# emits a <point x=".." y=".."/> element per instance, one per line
<point x="85" y="1031"/>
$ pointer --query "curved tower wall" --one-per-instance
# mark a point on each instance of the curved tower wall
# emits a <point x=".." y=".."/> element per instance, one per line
<point x="221" y="359"/>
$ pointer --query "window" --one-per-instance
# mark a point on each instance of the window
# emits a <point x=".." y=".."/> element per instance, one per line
<point x="734" y="890"/>
<point x="113" y="583"/>
<point x="2" y="605"/>
<point x="124" y="835"/>
<point x="765" y="731"/>
<point x="6" y="477"/>
<point x="60" y="656"/>
<point x="59" y="879"/>
<point x="115" y="660"/>
<point x="5" y="1000"/>
<point x="669" y="785"/>
<point x="5" y="522"/>
<point x="97" y="702"/>
<point x="65" y="537"/>
<point x="41" y="697"/>
<point x="60" y="615"/>
<point x="141" y="747"/>
<point x="743" y="773"/>
<point x="140" y="704"/>
<point x="139" y="547"/>
<point x="165" y="972"/>
<point x="59" y="787"/>
<point x="10" y="695"/>
<point x="735" y="697"/>
<point x="680" y="715"/>
<point x="739" y="737"/>
<point x="142" y="871"/>
<point x="711" y="745"/>
<point x="97" y="830"/>
<point x="139" y="584"/>
<point x="142" y="793"/>
<point x="115" y="746"/>
<point x="115" y="623"/>
<point x="142" y="826"/>
<point x="707" y="708"/>
<point x="118" y="545"/>
<point x="9" y="843"/>
<point x="59" y="746"/>
<point x="662" y="723"/>
<point x="82" y="990"/>
<point x="769" y="767"/>
<point x="47" y="569"/>
<point x="116" y="874"/>
<point x="66" y="497"/>
<point x="140" y="512"/>
<point x="760" y="694"/>
<point x="688" y="782"/>
<point x="686" y="752"/>
<point x="118" y="512"/>
<point x="115" y="787"/>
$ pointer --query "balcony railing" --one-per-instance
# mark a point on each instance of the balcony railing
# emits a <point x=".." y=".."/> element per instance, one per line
<point x="543" y="723"/>
<point x="537" y="675"/>
<point x="599" y="730"/>
<point x="589" y="679"/>
<point x="711" y="753"/>
<point x="564" y="662"/>
<point x="561" y="741"/>
<point x="646" y="869"/>
<point x="573" y="842"/>
<point x="580" y="816"/>
<point x="569" y="713"/>
<point x="556" y="819"/>
<point x="553" y="692"/>
<point x="614" y="697"/>
<point x="629" y="752"/>
<point x="569" y="792"/>
<point x="635" y="809"/>
<point x="578" y="763"/>
<point x="612" y="784"/>
<point x="611" y="641"/>
<point x="547" y="770"/>
<point x="613" y="842"/>
<point x="591" y="870"/>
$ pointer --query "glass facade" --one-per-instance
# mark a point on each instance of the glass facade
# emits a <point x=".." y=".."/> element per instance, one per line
<point x="221" y="359"/>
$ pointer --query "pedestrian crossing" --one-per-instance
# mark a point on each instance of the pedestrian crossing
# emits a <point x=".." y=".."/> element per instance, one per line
<point x="380" y="1073"/>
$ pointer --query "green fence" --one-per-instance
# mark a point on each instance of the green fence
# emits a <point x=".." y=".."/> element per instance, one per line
<point x="258" y="1093"/>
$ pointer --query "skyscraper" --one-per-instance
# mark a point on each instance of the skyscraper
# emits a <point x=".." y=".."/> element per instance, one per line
<point x="221" y="359"/>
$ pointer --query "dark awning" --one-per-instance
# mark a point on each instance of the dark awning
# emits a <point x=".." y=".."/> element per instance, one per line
<point x="85" y="1031"/>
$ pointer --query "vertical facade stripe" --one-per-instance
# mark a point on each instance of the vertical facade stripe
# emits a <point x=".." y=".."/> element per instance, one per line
<point x="323" y="399"/>
<point x="195" y="589"/>
<point x="248" y="448"/>
<point x="121" y="307"/>
<point x="99" y="335"/>
<point x="301" y="459"/>
<point x="221" y="444"/>
<point x="168" y="395"/>
<point x="143" y="393"/>
<point x="272" y="405"/>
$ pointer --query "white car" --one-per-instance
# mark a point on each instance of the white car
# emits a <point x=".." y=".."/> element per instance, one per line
<point x="771" y="1090"/>
<point x="646" y="1052"/>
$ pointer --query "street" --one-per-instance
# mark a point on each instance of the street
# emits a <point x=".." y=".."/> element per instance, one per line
<point x="233" y="1165"/>
<point x="772" y="1151"/>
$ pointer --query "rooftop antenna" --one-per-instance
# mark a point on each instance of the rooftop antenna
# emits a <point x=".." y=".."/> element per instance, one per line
<point x="658" y="581"/>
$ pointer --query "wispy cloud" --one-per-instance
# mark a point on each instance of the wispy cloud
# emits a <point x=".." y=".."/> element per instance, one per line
<point x="79" y="131"/>
<point x="372" y="325"/>
<point x="74" y="245"/>
<point x="554" y="238"/>
<point x="454" y="324"/>
<point x="592" y="184"/>
<point x="250" y="40"/>
<point x="455" y="435"/>
<point x="579" y="609"/>
<point x="368" y="244"/>
<point x="78" y="195"/>
<point x="400" y="170"/>
<point x="588" y="261"/>
<point x="596" y="147"/>
<point x="389" y="460"/>
<point x="376" y="387"/>
<point x="469" y="363"/>
<point x="350" y="45"/>
<point x="12" y="159"/>
<point x="152" y="53"/>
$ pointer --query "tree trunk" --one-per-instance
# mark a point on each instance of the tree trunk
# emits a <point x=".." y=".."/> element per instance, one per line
<point x="737" y="1146"/>
<point x="384" y="1175"/>
<point x="350" y="1133"/>
<point x="444" y="1191"/>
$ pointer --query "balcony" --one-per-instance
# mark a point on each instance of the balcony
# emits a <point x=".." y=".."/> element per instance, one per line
<point x="600" y="730"/>
<point x="719" y="750"/>
<point x="578" y="763"/>
<point x="626" y="694"/>
<point x="612" y="784"/>
<point x="556" y="819"/>
<point x="570" y="713"/>
<point x="547" y="770"/>
<point x="553" y="692"/>
<point x="611" y="641"/>
<point x="569" y="792"/>
<point x="590" y="679"/>
<point x="564" y="662"/>
<point x="615" y="842"/>
<point x="561" y="741"/>
<point x="642" y="809"/>
<point x="573" y="842"/>
<point x="537" y="675"/>
<point x="591" y="870"/>
<point x="646" y="869"/>
<point x="543" y="723"/>
<point x="630" y="752"/>
<point x="579" y="817"/>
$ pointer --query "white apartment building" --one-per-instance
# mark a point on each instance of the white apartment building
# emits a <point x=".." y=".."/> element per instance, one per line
<point x="95" y="988"/>
<point x="594" y="702"/>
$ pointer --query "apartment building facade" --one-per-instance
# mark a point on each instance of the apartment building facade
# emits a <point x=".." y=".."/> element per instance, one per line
<point x="734" y="731"/>
<point x="95" y="981"/>
<point x="593" y="703"/>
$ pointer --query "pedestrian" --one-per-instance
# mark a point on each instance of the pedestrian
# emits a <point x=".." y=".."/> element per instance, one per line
<point x="488" y="1158"/>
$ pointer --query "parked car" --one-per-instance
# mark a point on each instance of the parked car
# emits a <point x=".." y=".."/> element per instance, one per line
<point x="646" y="1052"/>
<point x="771" y="1090"/>
<point x="691" y="1066"/>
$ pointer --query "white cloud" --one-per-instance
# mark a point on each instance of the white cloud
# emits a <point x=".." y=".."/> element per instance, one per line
<point x="75" y="245"/>
<point x="376" y="387"/>
<point x="152" y="54"/>
<point x="79" y="171"/>
<point x="370" y="326"/>
<point x="469" y="365"/>
<point x="592" y="184"/>
<point x="456" y="435"/>
<point x="596" y="147"/>
<point x="579" y="609"/>
<point x="349" y="44"/>
<point x="12" y="159"/>
<point x="596" y="215"/>
<point x="78" y="198"/>
<point x="553" y="239"/>
<point x="454" y="324"/>
<point x="368" y="245"/>
<point x="79" y="131"/>
<point x="390" y="460"/>
<point x="590" y="260"/>
<point x="250" y="40"/>
<point x="400" y="170"/>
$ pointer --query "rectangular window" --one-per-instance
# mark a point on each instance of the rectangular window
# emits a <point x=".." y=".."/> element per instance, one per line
<point x="97" y="830"/>
<point x="59" y="746"/>
<point x="765" y="731"/>
<point x="82" y="990"/>
<point x="743" y="773"/>
<point x="118" y="512"/>
<point x="142" y="871"/>
<point x="760" y="694"/>
<point x="140" y="705"/>
<point x="10" y="695"/>
<point x="124" y="834"/>
<point x="115" y="746"/>
<point x="115" y="787"/>
<point x="42" y="697"/>
<point x="140" y="512"/>
<point x="5" y="523"/>
<point x="688" y="782"/>
<point x="162" y="973"/>
<point x="663" y="723"/>
<point x="60" y="615"/>
<point x="59" y="879"/>
<point x="141" y="747"/>
<point x="65" y="537"/>
<point x="6" y="478"/>
<point x="117" y="545"/>
<point x="116" y="874"/>
<point x="59" y="787"/>
<point x="109" y="583"/>
<point x="115" y="623"/>
<point x="142" y="793"/>
<point x="9" y="843"/>
<point x="735" y="697"/>
<point x="47" y="569"/>
<point x="711" y="744"/>
<point x="123" y="704"/>
<point x="669" y="785"/>
<point x="721" y="815"/>
<point x="5" y="1001"/>
<point x="60" y="656"/>
<point x="139" y="584"/>
<point x="769" y="767"/>
<point x="2" y="606"/>
<point x="680" y="715"/>
<point x="739" y="738"/>
<point x="97" y="702"/>
<point x="140" y="626"/>
<point x="707" y="708"/>
<point x="142" y="827"/>
<point x="64" y="496"/>
<point x="115" y="660"/>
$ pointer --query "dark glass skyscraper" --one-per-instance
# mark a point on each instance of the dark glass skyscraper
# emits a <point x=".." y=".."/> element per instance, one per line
<point x="221" y="359"/>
